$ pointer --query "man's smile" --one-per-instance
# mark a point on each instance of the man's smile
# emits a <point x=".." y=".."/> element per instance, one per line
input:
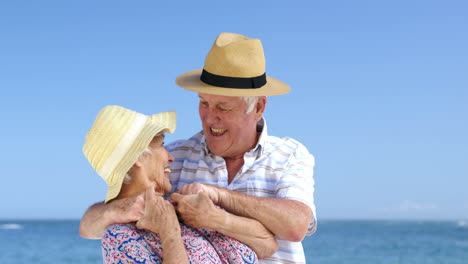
<point x="217" y="131"/>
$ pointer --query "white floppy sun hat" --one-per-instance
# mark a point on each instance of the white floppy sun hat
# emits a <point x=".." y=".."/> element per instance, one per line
<point x="116" y="140"/>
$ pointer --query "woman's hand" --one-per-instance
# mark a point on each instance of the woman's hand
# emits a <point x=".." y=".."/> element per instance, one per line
<point x="159" y="215"/>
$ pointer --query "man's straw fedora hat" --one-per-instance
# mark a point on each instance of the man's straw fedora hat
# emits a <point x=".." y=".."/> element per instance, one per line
<point x="235" y="66"/>
<point x="116" y="140"/>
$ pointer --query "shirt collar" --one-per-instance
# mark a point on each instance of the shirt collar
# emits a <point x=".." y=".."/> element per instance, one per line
<point x="263" y="129"/>
<point x="259" y="147"/>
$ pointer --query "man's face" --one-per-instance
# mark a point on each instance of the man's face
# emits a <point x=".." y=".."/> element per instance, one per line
<point x="229" y="131"/>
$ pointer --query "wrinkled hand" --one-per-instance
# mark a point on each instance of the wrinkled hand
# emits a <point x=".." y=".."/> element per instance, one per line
<point x="159" y="214"/>
<point x="199" y="211"/>
<point x="127" y="210"/>
<point x="194" y="188"/>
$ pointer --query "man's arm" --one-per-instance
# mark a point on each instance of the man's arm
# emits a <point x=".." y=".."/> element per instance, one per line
<point x="287" y="219"/>
<point x="291" y="211"/>
<point x="198" y="211"/>
<point x="100" y="215"/>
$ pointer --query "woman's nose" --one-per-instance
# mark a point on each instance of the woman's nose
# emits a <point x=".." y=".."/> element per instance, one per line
<point x="171" y="158"/>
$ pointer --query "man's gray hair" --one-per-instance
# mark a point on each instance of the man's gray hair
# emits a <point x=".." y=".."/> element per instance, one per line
<point x="251" y="102"/>
<point x="128" y="177"/>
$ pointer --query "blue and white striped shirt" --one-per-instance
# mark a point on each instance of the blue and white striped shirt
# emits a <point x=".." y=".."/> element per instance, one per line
<point x="275" y="168"/>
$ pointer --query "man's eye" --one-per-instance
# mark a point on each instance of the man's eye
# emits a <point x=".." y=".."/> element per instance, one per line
<point x="224" y="109"/>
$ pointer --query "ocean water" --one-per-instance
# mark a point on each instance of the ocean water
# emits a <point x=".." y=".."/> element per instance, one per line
<point x="335" y="242"/>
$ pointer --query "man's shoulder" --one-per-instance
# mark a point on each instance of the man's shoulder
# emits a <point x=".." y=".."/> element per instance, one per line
<point x="287" y="144"/>
<point x="287" y="149"/>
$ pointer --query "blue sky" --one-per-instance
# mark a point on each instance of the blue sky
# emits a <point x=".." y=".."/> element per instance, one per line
<point x="379" y="94"/>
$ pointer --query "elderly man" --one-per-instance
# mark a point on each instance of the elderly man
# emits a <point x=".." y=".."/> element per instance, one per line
<point x="233" y="160"/>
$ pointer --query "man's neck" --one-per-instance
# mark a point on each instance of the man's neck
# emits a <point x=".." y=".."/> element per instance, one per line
<point x="235" y="163"/>
<point x="233" y="166"/>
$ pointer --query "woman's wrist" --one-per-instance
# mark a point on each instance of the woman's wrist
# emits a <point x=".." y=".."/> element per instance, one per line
<point x="170" y="232"/>
<point x="165" y="227"/>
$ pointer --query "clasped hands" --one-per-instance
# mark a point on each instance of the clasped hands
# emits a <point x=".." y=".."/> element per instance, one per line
<point x="195" y="204"/>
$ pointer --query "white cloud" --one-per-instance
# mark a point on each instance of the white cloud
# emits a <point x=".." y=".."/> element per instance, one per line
<point x="412" y="206"/>
<point x="408" y="206"/>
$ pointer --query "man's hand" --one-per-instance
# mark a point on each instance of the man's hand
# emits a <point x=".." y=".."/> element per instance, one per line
<point x="100" y="215"/>
<point x="194" y="188"/>
<point x="127" y="210"/>
<point x="199" y="211"/>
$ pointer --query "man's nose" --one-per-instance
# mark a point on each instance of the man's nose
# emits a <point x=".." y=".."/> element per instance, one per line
<point x="212" y="115"/>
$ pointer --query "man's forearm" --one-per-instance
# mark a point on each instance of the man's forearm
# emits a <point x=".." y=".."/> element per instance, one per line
<point x="287" y="219"/>
<point x="250" y="232"/>
<point x="94" y="223"/>
<point x="100" y="215"/>
<point x="198" y="211"/>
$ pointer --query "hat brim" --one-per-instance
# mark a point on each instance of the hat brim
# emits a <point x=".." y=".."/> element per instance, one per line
<point x="112" y="192"/>
<point x="161" y="122"/>
<point x="191" y="81"/>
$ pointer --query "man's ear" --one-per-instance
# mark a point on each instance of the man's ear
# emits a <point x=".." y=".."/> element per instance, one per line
<point x="260" y="107"/>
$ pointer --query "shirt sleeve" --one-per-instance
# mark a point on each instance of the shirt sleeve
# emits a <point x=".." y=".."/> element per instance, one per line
<point x="297" y="182"/>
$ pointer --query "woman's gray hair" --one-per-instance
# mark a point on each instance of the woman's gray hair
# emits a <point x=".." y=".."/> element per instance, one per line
<point x="251" y="102"/>
<point x="128" y="177"/>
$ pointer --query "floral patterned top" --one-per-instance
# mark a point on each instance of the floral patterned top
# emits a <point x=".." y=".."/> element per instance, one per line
<point x="124" y="243"/>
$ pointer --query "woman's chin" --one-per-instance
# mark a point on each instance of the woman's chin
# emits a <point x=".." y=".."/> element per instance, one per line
<point x="168" y="189"/>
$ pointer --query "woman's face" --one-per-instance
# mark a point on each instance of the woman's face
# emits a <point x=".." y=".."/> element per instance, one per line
<point x="155" y="166"/>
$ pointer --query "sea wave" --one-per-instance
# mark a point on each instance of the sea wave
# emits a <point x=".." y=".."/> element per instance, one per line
<point x="11" y="226"/>
<point x="462" y="223"/>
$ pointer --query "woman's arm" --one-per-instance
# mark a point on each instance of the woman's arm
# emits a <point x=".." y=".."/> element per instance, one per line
<point x="160" y="218"/>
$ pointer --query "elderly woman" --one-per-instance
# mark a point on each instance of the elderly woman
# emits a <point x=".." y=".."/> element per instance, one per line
<point x="126" y="149"/>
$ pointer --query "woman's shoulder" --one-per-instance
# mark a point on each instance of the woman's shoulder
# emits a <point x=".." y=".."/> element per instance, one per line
<point x="116" y="229"/>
